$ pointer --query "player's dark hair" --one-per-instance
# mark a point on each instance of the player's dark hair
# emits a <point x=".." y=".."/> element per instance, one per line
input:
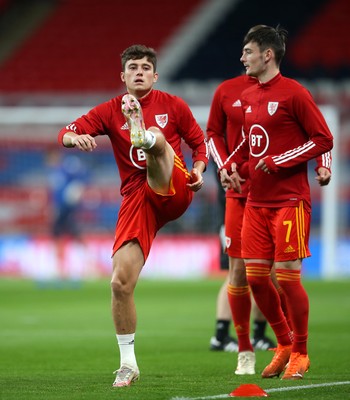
<point x="138" y="51"/>
<point x="268" y="37"/>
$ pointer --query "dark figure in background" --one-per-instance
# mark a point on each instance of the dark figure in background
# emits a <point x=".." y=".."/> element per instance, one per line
<point x="67" y="180"/>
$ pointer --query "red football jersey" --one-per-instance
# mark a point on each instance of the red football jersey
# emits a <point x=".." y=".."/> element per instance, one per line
<point x="167" y="112"/>
<point x="284" y="126"/>
<point x="225" y="123"/>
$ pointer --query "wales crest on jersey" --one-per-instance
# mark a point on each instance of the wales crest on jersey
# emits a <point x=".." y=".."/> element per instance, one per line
<point x="162" y="120"/>
<point x="272" y="107"/>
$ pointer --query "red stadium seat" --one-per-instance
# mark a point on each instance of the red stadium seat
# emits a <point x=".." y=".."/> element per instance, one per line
<point x="77" y="48"/>
<point x="324" y="42"/>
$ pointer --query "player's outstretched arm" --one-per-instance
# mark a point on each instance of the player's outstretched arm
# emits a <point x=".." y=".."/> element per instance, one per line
<point x="82" y="142"/>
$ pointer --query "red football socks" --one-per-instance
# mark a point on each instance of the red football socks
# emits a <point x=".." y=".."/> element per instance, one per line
<point x="240" y="303"/>
<point x="268" y="300"/>
<point x="298" y="306"/>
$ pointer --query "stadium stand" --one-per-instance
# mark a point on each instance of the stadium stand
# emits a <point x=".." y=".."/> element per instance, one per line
<point x="224" y="59"/>
<point x="322" y="47"/>
<point x="76" y="49"/>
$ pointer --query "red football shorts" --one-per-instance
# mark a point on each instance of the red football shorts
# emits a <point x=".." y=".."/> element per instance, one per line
<point x="233" y="225"/>
<point x="144" y="212"/>
<point x="279" y="234"/>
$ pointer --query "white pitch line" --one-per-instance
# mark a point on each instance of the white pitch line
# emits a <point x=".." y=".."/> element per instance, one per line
<point x="219" y="396"/>
<point x="282" y="389"/>
<point x="315" y="385"/>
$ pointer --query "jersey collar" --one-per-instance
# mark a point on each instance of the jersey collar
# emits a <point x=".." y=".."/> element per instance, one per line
<point x="272" y="81"/>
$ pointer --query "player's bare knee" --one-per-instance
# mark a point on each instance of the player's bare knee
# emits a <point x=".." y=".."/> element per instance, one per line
<point x="155" y="130"/>
<point x="120" y="287"/>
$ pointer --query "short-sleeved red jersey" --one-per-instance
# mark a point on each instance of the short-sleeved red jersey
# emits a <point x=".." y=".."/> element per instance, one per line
<point x="225" y="123"/>
<point x="167" y="112"/>
<point x="284" y="126"/>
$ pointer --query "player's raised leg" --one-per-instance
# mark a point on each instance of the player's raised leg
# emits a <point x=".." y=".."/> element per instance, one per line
<point x="159" y="154"/>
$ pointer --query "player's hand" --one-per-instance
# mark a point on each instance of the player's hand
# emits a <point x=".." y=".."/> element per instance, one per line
<point x="231" y="181"/>
<point x="225" y="179"/>
<point x="196" y="180"/>
<point x="262" y="165"/>
<point x="84" y="142"/>
<point x="267" y="165"/>
<point x="323" y="176"/>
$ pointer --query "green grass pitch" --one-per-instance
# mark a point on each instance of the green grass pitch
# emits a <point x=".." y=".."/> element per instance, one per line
<point x="59" y="343"/>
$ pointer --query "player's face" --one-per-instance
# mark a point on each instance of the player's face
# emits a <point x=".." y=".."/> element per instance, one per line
<point x="139" y="77"/>
<point x="253" y="60"/>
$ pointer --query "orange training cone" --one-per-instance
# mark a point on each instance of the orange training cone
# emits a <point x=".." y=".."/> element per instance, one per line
<point x="248" y="390"/>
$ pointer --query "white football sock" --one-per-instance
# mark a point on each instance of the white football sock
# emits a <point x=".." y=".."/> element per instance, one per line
<point x="127" y="350"/>
<point x="150" y="140"/>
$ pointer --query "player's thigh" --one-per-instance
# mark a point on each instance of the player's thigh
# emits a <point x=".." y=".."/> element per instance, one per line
<point x="257" y="240"/>
<point x="292" y="231"/>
